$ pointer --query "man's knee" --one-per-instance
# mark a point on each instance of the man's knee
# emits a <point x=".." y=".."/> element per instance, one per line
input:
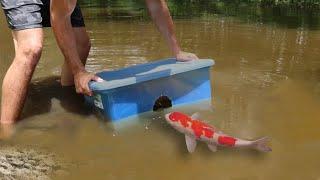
<point x="29" y="54"/>
<point x="32" y="50"/>
<point x="83" y="42"/>
<point x="86" y="45"/>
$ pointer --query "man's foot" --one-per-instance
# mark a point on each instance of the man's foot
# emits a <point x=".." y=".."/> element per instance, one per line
<point x="6" y="131"/>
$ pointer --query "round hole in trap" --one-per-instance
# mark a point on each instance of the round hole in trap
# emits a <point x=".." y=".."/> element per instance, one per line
<point x="161" y="103"/>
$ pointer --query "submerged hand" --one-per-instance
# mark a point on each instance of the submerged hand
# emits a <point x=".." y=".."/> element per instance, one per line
<point x="186" y="56"/>
<point x="81" y="81"/>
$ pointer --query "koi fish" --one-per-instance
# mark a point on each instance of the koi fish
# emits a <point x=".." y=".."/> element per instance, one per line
<point x="195" y="129"/>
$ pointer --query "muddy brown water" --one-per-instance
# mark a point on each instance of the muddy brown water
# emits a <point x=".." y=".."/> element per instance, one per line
<point x="266" y="81"/>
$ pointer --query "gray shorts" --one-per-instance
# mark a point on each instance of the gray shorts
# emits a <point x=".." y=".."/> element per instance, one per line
<point x="27" y="14"/>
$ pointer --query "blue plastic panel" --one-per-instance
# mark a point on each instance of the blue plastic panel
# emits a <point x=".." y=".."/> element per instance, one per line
<point x="135" y="89"/>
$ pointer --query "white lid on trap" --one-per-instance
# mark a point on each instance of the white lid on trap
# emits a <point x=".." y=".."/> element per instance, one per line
<point x="145" y="72"/>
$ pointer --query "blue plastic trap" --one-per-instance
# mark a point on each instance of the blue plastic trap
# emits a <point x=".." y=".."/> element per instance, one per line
<point x="151" y="86"/>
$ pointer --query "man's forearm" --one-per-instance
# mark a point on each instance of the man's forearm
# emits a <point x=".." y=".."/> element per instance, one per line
<point x="61" y="24"/>
<point x="160" y="14"/>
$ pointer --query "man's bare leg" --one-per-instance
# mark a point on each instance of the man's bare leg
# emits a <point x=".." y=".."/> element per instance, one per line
<point x="83" y="48"/>
<point x="28" y="46"/>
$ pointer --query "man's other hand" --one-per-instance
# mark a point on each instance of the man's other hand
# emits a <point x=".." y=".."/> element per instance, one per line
<point x="81" y="81"/>
<point x="186" y="56"/>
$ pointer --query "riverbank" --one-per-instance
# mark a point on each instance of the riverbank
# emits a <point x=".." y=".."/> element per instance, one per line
<point x="27" y="163"/>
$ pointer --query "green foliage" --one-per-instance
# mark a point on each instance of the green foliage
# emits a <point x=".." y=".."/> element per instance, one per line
<point x="291" y="13"/>
<point x="198" y="7"/>
<point x="204" y="3"/>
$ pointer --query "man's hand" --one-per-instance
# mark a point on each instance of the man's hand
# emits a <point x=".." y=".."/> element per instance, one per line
<point x="81" y="81"/>
<point x="186" y="56"/>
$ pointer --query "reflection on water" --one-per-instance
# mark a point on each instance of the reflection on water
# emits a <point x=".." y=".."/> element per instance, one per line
<point x="266" y="81"/>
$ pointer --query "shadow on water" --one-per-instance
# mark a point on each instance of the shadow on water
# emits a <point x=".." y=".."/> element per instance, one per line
<point x="43" y="91"/>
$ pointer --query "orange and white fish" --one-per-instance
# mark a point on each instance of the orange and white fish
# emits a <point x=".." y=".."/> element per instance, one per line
<point x="195" y="130"/>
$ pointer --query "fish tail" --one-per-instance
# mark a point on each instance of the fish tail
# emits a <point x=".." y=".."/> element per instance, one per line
<point x="261" y="144"/>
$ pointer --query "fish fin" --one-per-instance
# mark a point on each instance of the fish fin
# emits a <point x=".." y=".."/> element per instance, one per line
<point x="195" y="116"/>
<point x="261" y="144"/>
<point x="191" y="143"/>
<point x="212" y="147"/>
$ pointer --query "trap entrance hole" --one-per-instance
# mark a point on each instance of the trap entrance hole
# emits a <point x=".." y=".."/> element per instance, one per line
<point x="161" y="103"/>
